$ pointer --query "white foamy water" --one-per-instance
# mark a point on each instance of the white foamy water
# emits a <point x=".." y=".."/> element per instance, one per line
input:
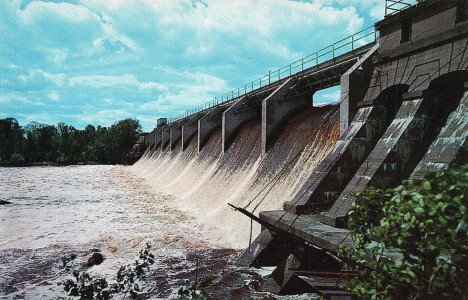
<point x="80" y="205"/>
<point x="57" y="211"/>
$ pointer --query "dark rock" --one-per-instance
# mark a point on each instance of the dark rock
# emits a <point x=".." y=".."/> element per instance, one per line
<point x="3" y="202"/>
<point x="96" y="259"/>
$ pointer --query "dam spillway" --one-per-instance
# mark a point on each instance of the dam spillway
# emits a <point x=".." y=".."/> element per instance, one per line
<point x="204" y="183"/>
<point x="402" y="113"/>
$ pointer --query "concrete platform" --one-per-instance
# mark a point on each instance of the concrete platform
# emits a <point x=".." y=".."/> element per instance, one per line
<point x="309" y="228"/>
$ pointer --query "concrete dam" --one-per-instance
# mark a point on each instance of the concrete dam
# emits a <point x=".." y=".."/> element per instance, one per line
<point x="294" y="168"/>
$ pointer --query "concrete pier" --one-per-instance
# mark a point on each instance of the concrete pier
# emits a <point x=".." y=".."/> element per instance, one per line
<point x="157" y="138"/>
<point x="275" y="109"/>
<point x="234" y="117"/>
<point x="189" y="129"/>
<point x="165" y="138"/>
<point x="451" y="144"/>
<point x="176" y="134"/>
<point x="207" y="124"/>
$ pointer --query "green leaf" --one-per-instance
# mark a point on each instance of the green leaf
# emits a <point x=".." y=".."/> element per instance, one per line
<point x="421" y="202"/>
<point x="427" y="185"/>
<point x="418" y="210"/>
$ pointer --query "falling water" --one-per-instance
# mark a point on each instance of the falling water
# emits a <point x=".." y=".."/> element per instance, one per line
<point x="203" y="183"/>
<point x="176" y="201"/>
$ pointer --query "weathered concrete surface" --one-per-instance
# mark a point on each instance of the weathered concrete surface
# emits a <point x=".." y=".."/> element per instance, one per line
<point x="310" y="228"/>
<point x="176" y="134"/>
<point x="281" y="275"/>
<point x="407" y="117"/>
<point x="157" y="139"/>
<point x="165" y="137"/>
<point x="149" y="140"/>
<point x="208" y="123"/>
<point x="324" y="178"/>
<point x="438" y="46"/>
<point x="189" y="129"/>
<point x="450" y="145"/>
<point x="258" y="245"/>
<point x="233" y="118"/>
<point x="275" y="109"/>
<point x="354" y="84"/>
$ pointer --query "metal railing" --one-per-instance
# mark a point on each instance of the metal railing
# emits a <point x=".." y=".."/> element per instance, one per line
<point x="350" y="43"/>
<point x="395" y="6"/>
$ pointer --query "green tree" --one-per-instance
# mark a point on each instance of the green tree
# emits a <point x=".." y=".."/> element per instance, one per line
<point x="65" y="144"/>
<point x="12" y="139"/>
<point x="122" y="137"/>
<point x="406" y="239"/>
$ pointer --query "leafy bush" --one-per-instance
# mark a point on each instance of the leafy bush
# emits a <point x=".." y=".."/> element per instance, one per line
<point x="406" y="239"/>
<point x="87" y="288"/>
<point x="198" y="291"/>
<point x="129" y="275"/>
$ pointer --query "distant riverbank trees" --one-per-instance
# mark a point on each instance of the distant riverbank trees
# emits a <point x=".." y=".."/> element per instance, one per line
<point x="38" y="144"/>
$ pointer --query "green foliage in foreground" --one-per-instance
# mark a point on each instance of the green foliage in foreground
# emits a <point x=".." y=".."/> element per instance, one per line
<point x="87" y="288"/>
<point x="198" y="291"/>
<point x="128" y="282"/>
<point x="406" y="239"/>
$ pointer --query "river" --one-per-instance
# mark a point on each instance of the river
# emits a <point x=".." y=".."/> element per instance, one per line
<point x="60" y="211"/>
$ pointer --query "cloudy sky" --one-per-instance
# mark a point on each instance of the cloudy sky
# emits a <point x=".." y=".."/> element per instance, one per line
<point x="97" y="61"/>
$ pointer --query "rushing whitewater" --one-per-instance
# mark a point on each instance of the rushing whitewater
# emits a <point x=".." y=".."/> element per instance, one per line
<point x="176" y="201"/>
<point x="57" y="211"/>
<point x="203" y="183"/>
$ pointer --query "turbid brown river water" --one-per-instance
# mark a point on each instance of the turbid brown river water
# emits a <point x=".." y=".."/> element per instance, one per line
<point x="59" y="211"/>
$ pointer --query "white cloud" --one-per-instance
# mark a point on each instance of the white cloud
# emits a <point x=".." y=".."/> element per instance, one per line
<point x="99" y="44"/>
<point x="11" y="97"/>
<point x="106" y="117"/>
<point x="58" y="79"/>
<point x="57" y="56"/>
<point x="54" y="95"/>
<point x="37" y="10"/>
<point x="327" y="96"/>
<point x="152" y="85"/>
<point x="103" y="80"/>
<point x="159" y="58"/>
<point x="114" y="36"/>
<point x="129" y="80"/>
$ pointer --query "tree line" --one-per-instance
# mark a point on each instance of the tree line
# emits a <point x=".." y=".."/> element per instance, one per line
<point x="38" y="144"/>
